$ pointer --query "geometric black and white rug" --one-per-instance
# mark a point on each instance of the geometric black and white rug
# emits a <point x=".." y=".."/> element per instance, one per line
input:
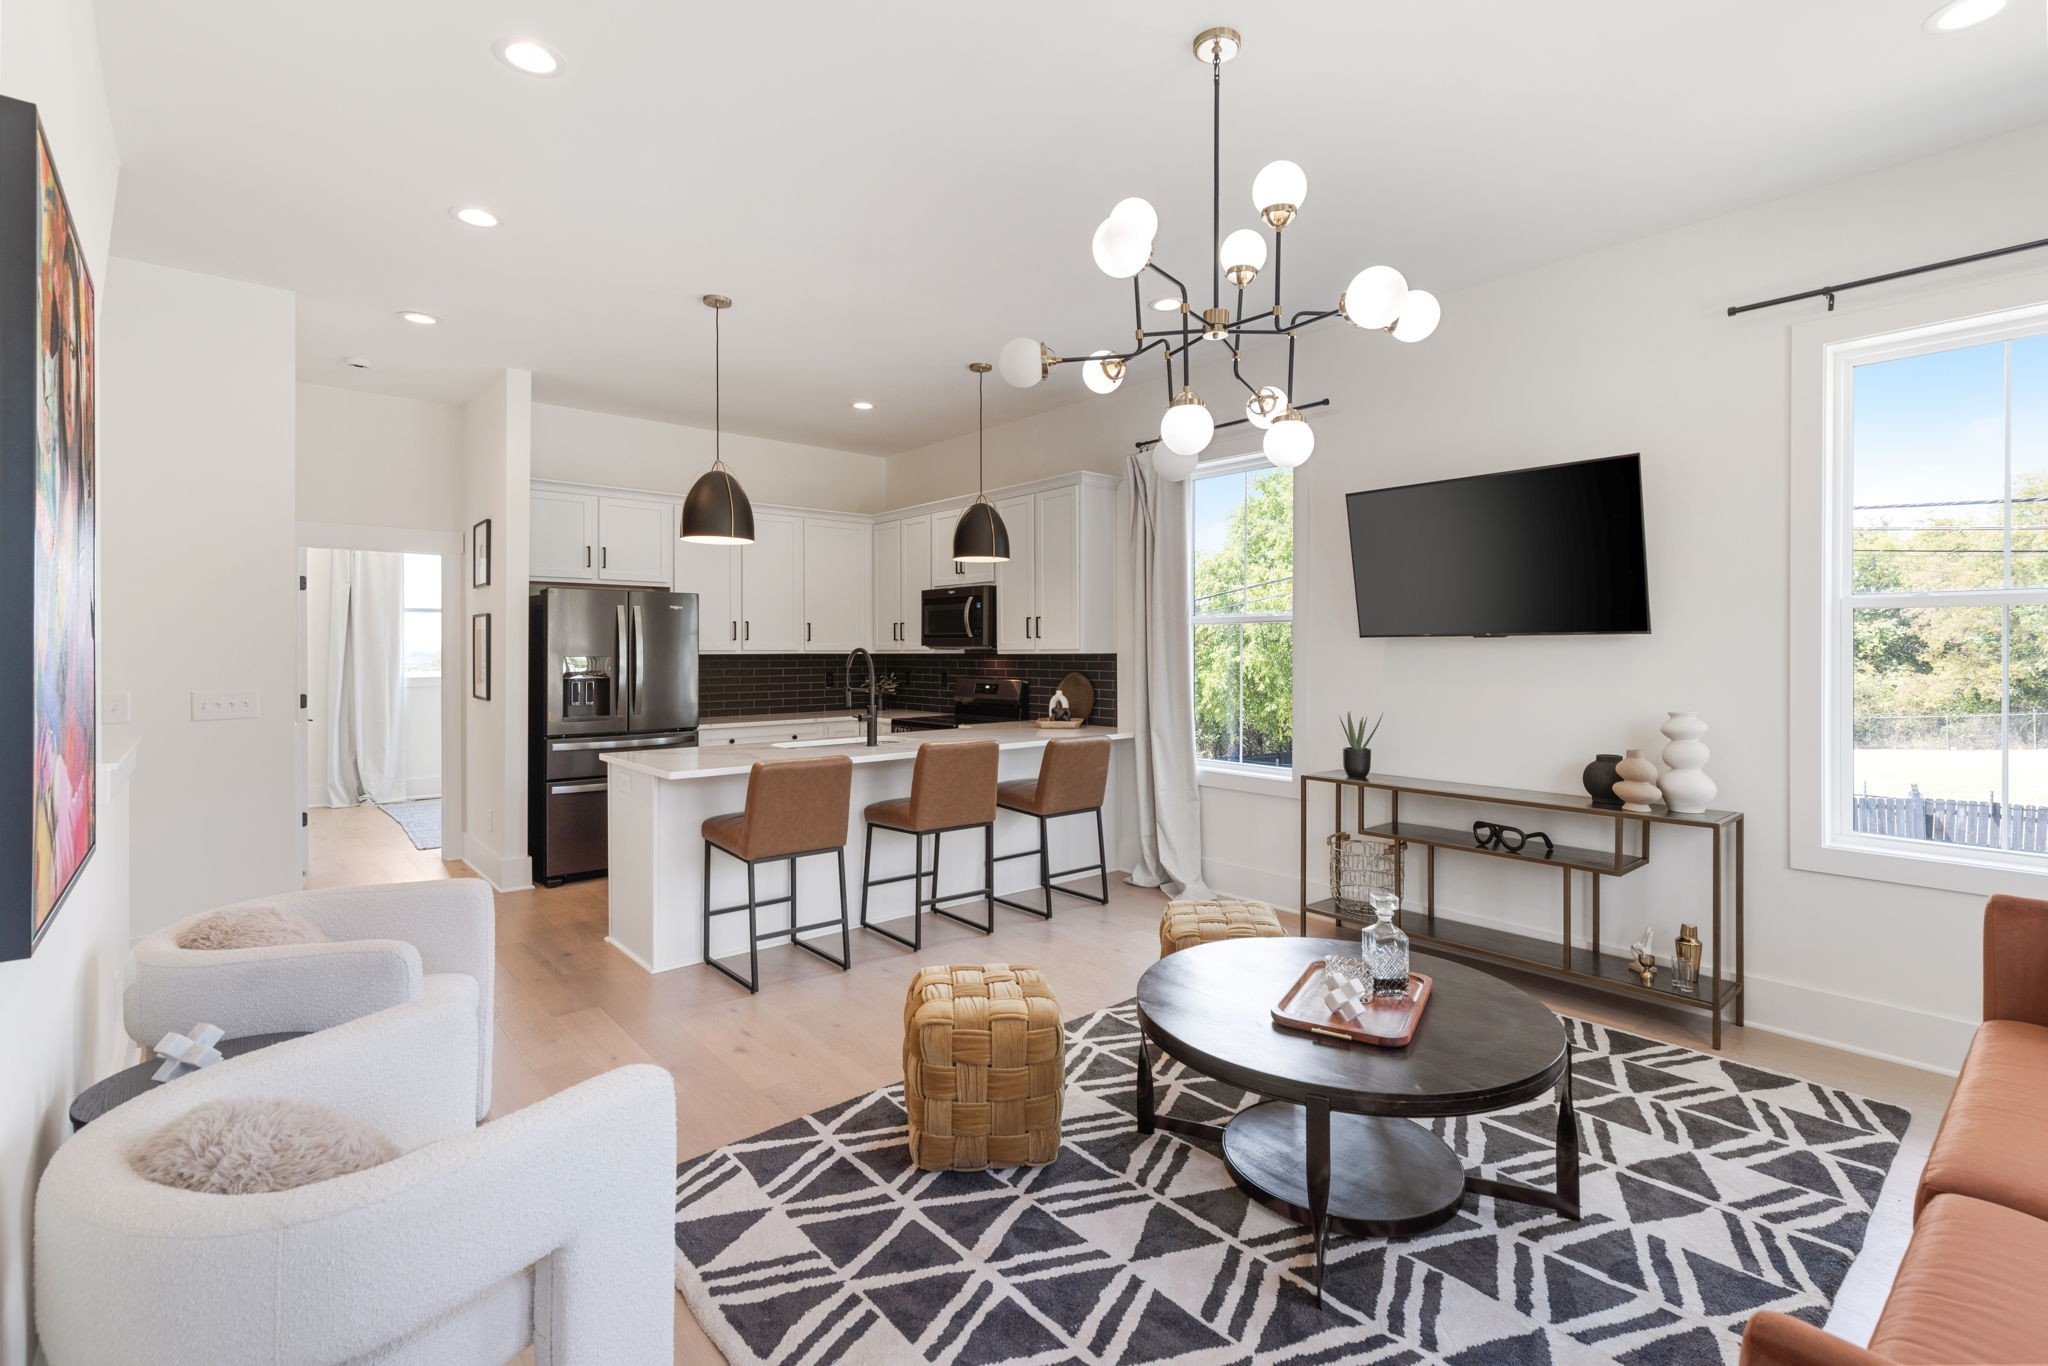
<point x="1710" y="1190"/>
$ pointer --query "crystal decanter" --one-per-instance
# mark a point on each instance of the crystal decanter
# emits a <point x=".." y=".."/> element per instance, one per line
<point x="1385" y="947"/>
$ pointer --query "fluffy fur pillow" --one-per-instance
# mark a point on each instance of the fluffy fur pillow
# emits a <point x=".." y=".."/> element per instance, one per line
<point x="249" y="1147"/>
<point x="248" y="927"/>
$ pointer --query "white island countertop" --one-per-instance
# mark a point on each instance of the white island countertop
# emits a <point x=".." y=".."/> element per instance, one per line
<point x="719" y="761"/>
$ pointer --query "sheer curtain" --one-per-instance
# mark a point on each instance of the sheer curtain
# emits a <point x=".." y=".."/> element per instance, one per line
<point x="365" y="677"/>
<point x="1162" y="673"/>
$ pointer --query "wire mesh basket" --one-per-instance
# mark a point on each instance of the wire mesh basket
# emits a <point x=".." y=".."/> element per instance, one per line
<point x="1360" y="866"/>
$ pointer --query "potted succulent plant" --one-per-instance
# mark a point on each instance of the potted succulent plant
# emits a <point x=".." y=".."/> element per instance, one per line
<point x="1358" y="745"/>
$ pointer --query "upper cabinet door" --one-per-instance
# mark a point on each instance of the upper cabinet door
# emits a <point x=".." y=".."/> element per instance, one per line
<point x="563" y="536"/>
<point x="946" y="569"/>
<point x="771" y="586"/>
<point x="887" y="588"/>
<point x="917" y="576"/>
<point x="1056" y="617"/>
<point x="838" y="568"/>
<point x="1016" y="578"/>
<point x="635" y="540"/>
<point x="712" y="572"/>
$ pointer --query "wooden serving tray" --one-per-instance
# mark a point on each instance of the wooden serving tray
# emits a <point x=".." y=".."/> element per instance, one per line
<point x="1047" y="723"/>
<point x="1386" y="1023"/>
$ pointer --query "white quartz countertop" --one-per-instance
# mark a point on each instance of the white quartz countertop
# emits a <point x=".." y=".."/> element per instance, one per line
<point x="719" y="761"/>
<point x="760" y="718"/>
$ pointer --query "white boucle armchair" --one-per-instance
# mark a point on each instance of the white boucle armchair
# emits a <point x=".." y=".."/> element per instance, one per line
<point x="553" y="1226"/>
<point x="385" y="941"/>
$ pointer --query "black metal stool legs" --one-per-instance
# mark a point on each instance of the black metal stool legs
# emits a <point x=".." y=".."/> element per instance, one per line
<point x="920" y="903"/>
<point x="1046" y="875"/>
<point x="752" y="981"/>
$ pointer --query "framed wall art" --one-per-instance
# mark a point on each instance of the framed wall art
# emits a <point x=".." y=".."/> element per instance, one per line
<point x="480" y="554"/>
<point x="480" y="656"/>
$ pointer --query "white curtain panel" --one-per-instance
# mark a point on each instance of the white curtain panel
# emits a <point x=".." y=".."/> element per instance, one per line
<point x="365" y="677"/>
<point x="1161" y="670"/>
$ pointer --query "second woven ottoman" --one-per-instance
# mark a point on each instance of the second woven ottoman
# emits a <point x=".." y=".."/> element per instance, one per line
<point x="1185" y="924"/>
<point x="984" y="1067"/>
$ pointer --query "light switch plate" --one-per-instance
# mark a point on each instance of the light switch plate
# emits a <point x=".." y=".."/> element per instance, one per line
<point x="115" y="709"/>
<point x="225" y="706"/>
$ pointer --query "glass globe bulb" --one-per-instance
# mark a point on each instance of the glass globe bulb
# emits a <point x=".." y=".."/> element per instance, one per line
<point x="1102" y="377"/>
<point x="1420" y="313"/>
<point x="1373" y="298"/>
<point x="1021" y="362"/>
<point x="1139" y="214"/>
<point x="1187" y="425"/>
<point x="1261" y="408"/>
<point x="1278" y="191"/>
<point x="1171" y="464"/>
<point x="1121" y="248"/>
<point x="1243" y="256"/>
<point x="1289" y="440"/>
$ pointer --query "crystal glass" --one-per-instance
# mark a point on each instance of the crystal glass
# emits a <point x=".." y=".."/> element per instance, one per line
<point x="1386" y="947"/>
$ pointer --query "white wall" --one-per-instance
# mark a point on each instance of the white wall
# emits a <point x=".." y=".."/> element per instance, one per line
<point x="631" y="452"/>
<point x="1627" y="349"/>
<point x="199" y="574"/>
<point x="497" y="463"/>
<point x="378" y="460"/>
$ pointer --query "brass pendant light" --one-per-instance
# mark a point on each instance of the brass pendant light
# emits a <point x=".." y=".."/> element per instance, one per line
<point x="980" y="537"/>
<point x="717" y="511"/>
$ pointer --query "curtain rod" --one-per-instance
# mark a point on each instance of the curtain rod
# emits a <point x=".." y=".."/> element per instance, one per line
<point x="1150" y="442"/>
<point x="1828" y="292"/>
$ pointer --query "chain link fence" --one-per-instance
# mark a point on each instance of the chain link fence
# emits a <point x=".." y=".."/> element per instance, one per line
<point x="1979" y="731"/>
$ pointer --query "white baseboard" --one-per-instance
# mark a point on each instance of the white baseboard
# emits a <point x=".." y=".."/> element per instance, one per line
<point x="504" y="874"/>
<point x="420" y="789"/>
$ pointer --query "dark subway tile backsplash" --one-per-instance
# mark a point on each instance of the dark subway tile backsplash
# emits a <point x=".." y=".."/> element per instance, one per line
<point x="737" y="685"/>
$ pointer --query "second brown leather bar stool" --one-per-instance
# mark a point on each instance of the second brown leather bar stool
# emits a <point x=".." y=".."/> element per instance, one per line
<point x="1072" y="779"/>
<point x="795" y="808"/>
<point x="952" y="787"/>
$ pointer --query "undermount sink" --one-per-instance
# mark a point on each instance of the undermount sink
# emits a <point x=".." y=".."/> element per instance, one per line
<point x="855" y="742"/>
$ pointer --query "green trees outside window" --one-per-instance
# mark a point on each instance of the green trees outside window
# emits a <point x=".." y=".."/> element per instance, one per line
<point x="1244" y="617"/>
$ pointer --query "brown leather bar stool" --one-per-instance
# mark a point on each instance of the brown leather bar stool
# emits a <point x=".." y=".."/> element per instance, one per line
<point x="795" y="808"/>
<point x="1072" y="779"/>
<point x="952" y="787"/>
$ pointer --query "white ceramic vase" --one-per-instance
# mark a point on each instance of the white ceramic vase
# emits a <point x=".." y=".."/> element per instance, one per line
<point x="1686" y="786"/>
<point x="1638" y="786"/>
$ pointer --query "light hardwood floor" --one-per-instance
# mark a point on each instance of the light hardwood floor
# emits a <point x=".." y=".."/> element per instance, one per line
<point x="569" y="1006"/>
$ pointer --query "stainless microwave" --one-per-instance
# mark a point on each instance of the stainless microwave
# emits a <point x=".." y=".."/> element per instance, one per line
<point x="962" y="618"/>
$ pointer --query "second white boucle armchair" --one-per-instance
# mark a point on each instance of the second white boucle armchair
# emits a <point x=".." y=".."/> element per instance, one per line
<point x="385" y="942"/>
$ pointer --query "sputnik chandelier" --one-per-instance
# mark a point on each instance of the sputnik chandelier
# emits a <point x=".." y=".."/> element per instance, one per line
<point x="1377" y="299"/>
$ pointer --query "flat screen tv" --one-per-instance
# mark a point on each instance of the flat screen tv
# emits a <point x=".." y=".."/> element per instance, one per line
<point x="1551" y="551"/>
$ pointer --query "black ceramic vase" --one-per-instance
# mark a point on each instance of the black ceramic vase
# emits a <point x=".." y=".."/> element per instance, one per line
<point x="1600" y="777"/>
<point x="1358" y="763"/>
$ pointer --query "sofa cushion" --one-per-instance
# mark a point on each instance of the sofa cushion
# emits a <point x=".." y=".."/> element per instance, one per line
<point x="1969" y="1288"/>
<point x="257" y="1145"/>
<point x="1993" y="1142"/>
<point x="247" y="927"/>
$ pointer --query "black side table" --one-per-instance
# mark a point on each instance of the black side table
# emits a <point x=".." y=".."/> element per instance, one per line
<point x="126" y="1085"/>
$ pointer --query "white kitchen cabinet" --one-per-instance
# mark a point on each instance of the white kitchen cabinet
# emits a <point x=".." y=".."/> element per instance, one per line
<point x="711" y="735"/>
<point x="838" y="564"/>
<point x="946" y="569"/>
<point x="771" y="585"/>
<point x="562" y="536"/>
<point x="1053" y="593"/>
<point x="1017" y="577"/>
<point x="712" y="572"/>
<point x="886" y="586"/>
<point x="1057" y="562"/>
<point x="636" y="540"/>
<point x="917" y="576"/>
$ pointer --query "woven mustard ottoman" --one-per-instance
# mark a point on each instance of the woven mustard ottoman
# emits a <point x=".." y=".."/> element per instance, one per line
<point x="984" y="1067"/>
<point x="1188" y="923"/>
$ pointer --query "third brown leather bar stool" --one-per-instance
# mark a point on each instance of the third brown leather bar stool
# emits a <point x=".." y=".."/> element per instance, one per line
<point x="795" y="808"/>
<point x="953" y="787"/>
<point x="1071" y="781"/>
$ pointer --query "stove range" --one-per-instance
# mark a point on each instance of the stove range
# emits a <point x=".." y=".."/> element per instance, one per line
<point x="977" y="702"/>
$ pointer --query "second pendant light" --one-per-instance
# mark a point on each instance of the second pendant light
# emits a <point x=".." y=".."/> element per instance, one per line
<point x="717" y="510"/>
<point x="980" y="537"/>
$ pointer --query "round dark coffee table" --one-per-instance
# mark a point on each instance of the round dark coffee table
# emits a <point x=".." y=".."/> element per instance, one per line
<point x="1330" y="1145"/>
<point x="125" y="1085"/>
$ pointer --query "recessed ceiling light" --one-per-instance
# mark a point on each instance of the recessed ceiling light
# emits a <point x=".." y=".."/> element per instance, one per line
<point x="474" y="216"/>
<point x="1962" y="14"/>
<point x="863" y="405"/>
<point x="414" y="316"/>
<point x="1166" y="303"/>
<point x="529" y="55"/>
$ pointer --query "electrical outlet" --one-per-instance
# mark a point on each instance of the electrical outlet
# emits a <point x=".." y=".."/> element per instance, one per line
<point x="225" y="706"/>
<point x="490" y="820"/>
<point x="115" y="709"/>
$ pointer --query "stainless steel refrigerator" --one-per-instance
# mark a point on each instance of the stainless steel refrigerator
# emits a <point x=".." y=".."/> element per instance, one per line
<point x="613" y="669"/>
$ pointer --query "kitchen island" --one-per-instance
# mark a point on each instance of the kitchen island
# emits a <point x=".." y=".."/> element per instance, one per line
<point x="659" y="800"/>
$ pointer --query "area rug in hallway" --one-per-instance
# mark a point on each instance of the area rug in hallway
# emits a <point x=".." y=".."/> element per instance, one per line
<point x="1710" y="1190"/>
<point x="421" y="821"/>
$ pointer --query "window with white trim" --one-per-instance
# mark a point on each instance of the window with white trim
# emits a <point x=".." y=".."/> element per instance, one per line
<point x="1938" y="732"/>
<point x="421" y="618"/>
<point x="1242" y="545"/>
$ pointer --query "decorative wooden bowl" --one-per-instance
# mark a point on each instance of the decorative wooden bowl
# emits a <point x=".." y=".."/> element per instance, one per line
<point x="1047" y="723"/>
<point x="1388" y="1022"/>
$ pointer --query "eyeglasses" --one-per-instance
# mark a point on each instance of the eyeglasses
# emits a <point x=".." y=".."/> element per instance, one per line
<point x="1507" y="837"/>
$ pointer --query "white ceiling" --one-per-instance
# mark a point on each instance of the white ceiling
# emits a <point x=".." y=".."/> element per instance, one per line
<point x="892" y="189"/>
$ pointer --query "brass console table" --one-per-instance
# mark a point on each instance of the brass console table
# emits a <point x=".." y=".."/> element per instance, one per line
<point x="1564" y="957"/>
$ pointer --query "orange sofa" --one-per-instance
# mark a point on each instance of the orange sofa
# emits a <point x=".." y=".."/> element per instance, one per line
<point x="1973" y="1286"/>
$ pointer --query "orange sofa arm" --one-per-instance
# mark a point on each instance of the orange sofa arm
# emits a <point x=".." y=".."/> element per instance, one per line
<point x="1781" y="1340"/>
<point x="2016" y="960"/>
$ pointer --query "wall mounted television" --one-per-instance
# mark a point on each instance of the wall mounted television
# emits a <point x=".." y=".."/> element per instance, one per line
<point x="1556" y="550"/>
